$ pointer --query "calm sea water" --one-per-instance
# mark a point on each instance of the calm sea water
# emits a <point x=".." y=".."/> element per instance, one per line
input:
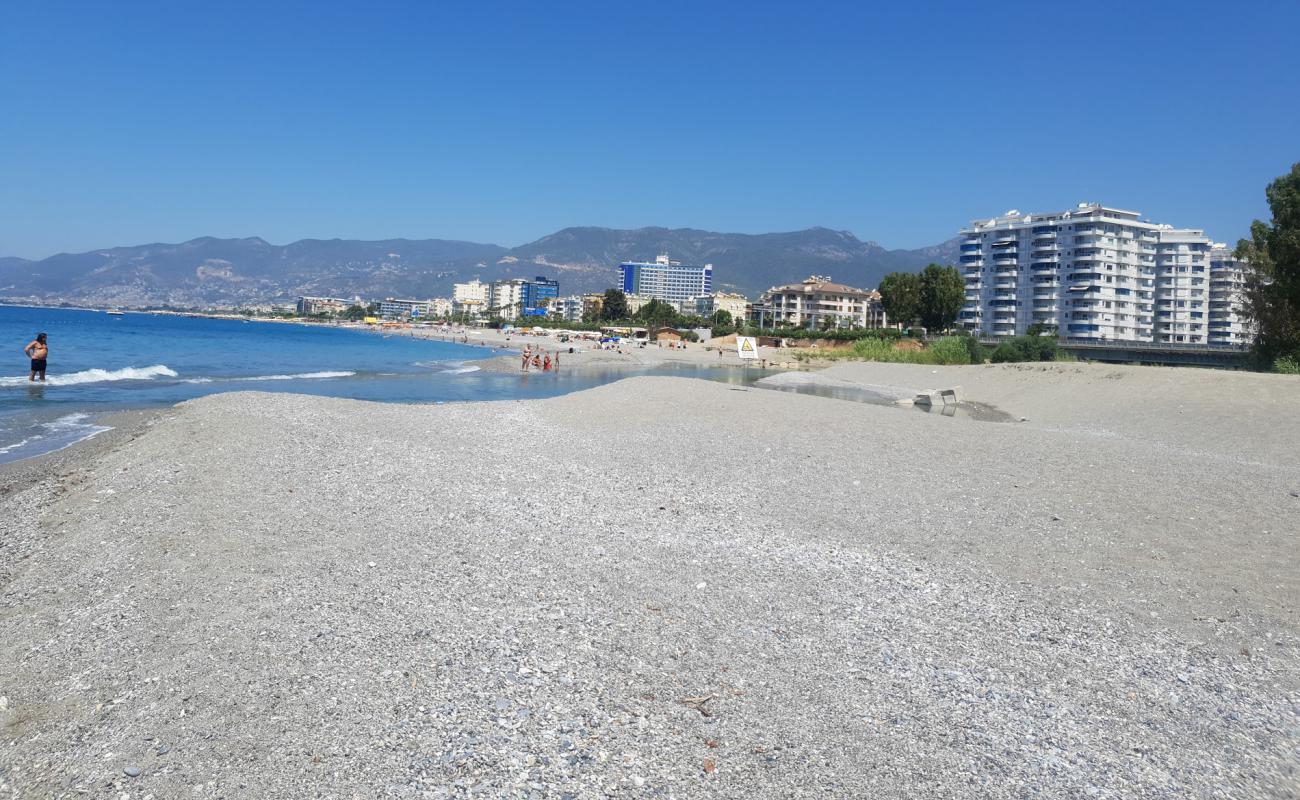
<point x="100" y="363"/>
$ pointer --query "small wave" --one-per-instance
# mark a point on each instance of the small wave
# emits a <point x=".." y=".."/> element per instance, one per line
<point x="58" y="434"/>
<point x="100" y="376"/>
<point x="448" y="367"/>
<point x="294" y="377"/>
<point x="338" y="374"/>
<point x="16" y="445"/>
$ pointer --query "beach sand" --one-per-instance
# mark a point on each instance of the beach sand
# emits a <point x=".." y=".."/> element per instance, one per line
<point x="668" y="587"/>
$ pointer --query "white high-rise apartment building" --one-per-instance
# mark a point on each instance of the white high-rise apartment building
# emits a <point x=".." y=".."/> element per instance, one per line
<point x="1092" y="272"/>
<point x="1228" y="324"/>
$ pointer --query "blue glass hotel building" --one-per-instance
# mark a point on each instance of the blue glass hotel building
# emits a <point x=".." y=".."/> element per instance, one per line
<point x="668" y="280"/>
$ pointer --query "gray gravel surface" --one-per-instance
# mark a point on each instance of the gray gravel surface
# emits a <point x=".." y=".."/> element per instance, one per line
<point x="658" y="588"/>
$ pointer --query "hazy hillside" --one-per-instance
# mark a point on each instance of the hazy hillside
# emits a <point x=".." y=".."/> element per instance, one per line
<point x="748" y="263"/>
<point x="223" y="272"/>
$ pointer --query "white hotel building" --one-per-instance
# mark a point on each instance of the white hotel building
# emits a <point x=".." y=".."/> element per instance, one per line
<point x="1099" y="273"/>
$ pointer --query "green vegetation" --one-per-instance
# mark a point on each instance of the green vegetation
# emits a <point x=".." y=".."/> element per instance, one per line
<point x="1287" y="365"/>
<point x="1273" y="280"/>
<point x="950" y="350"/>
<point x="900" y="294"/>
<point x="614" y="306"/>
<point x="935" y="297"/>
<point x="1024" y="348"/>
<point x="943" y="293"/>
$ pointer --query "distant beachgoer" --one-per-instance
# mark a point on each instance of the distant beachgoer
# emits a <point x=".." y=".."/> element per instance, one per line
<point x="37" y="350"/>
<point x="524" y="366"/>
<point x="537" y="361"/>
<point x="546" y="363"/>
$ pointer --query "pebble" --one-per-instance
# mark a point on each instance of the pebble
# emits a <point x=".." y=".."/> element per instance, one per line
<point x="131" y="771"/>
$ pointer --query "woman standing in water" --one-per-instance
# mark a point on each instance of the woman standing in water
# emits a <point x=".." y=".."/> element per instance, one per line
<point x="37" y="351"/>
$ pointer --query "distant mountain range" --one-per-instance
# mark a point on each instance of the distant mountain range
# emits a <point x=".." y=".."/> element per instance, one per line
<point x="210" y="272"/>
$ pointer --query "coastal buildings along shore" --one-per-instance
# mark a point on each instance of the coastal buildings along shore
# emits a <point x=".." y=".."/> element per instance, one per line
<point x="1100" y="273"/>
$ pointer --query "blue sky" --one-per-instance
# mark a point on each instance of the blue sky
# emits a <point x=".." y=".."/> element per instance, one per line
<point x="132" y="122"/>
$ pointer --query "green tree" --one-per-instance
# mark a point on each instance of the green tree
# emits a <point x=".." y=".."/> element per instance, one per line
<point x="1273" y="280"/>
<point x="900" y="294"/>
<point x="354" y="312"/>
<point x="722" y="318"/>
<point x="614" y="306"/>
<point x="943" y="293"/>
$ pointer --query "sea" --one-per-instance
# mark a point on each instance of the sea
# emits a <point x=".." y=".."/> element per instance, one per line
<point x="100" y="364"/>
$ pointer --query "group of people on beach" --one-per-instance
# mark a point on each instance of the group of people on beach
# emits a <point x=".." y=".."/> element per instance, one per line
<point x="538" y="359"/>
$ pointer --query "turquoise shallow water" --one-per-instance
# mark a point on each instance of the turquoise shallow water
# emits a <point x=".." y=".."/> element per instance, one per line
<point x="100" y="363"/>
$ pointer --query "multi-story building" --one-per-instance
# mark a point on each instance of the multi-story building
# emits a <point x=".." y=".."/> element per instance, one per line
<point x="736" y="305"/>
<point x="1091" y="272"/>
<point x="664" y="279"/>
<point x="569" y="309"/>
<point x="475" y="291"/>
<point x="519" y="297"/>
<point x="1228" y="323"/>
<point x="817" y="302"/>
<point x="323" y="305"/>
<point x="440" y="307"/>
<point x="394" y="307"/>
<point x="470" y="298"/>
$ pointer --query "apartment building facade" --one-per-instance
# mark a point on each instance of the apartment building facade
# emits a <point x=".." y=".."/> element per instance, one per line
<point x="308" y="306"/>
<point x="665" y="279"/>
<point x="1091" y="272"/>
<point x="819" y="302"/>
<point x="1228" y="323"/>
<point x="737" y="305"/>
<point x="392" y="307"/>
<point x="520" y="297"/>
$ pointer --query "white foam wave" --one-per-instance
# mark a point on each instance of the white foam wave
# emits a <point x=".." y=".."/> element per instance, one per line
<point x="58" y="434"/>
<point x="448" y="367"/>
<point x="17" y="445"/>
<point x="100" y="376"/>
<point x="294" y="377"/>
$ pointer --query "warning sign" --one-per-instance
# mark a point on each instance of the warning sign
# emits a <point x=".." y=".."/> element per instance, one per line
<point x="747" y="347"/>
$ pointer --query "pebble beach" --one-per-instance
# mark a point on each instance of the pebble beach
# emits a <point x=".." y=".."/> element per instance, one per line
<point x="666" y="587"/>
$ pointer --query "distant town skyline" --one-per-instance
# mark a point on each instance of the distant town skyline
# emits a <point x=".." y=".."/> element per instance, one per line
<point x="504" y="122"/>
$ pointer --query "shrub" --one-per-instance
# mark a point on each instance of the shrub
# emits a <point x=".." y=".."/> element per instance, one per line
<point x="1024" y="348"/>
<point x="950" y="350"/>
<point x="1287" y="365"/>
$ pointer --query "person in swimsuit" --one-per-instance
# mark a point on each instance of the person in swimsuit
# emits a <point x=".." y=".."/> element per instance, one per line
<point x="37" y="351"/>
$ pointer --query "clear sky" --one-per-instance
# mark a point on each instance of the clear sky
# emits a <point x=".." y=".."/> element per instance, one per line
<point x="133" y="122"/>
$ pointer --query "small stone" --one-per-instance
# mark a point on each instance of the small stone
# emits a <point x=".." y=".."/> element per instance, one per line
<point x="701" y="585"/>
<point x="131" y="771"/>
<point x="164" y="749"/>
<point x="638" y="781"/>
<point x="372" y="564"/>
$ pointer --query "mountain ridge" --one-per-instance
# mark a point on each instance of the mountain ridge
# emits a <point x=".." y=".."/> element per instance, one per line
<point x="213" y="272"/>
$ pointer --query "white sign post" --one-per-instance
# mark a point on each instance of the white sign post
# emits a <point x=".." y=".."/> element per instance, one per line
<point x="747" y="346"/>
